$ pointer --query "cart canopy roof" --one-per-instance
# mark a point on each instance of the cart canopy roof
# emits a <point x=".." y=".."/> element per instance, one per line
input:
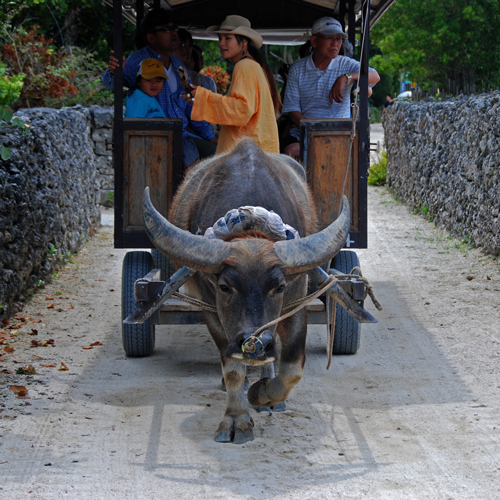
<point x="278" y="21"/>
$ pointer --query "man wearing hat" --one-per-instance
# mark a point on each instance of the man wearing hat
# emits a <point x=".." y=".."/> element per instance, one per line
<point x="160" y="35"/>
<point x="319" y="85"/>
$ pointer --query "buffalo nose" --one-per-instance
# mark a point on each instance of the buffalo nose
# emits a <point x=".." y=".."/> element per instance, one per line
<point x="255" y="345"/>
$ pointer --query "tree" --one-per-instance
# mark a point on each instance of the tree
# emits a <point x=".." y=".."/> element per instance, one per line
<point x="441" y="40"/>
<point x="83" y="23"/>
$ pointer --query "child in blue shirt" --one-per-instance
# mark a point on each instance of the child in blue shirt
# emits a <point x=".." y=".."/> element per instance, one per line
<point x="151" y="77"/>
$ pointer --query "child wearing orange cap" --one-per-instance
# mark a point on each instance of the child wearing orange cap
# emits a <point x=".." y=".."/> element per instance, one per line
<point x="150" y="79"/>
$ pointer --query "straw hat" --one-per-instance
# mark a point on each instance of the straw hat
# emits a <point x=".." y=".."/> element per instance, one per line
<point x="237" y="25"/>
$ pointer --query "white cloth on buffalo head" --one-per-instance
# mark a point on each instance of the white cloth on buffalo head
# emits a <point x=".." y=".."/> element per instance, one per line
<point x="247" y="218"/>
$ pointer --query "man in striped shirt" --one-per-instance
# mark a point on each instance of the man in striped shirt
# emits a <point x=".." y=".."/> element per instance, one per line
<point x="318" y="86"/>
<point x="160" y="33"/>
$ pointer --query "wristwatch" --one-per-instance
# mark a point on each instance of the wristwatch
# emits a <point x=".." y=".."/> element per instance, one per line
<point x="349" y="78"/>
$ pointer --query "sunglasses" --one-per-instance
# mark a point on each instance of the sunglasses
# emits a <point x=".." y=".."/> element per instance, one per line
<point x="166" y="29"/>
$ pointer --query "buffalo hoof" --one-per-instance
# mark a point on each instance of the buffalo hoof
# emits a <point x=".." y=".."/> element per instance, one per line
<point x="260" y="409"/>
<point x="257" y="394"/>
<point x="241" y="436"/>
<point x="279" y="407"/>
<point x="223" y="436"/>
<point x="229" y="432"/>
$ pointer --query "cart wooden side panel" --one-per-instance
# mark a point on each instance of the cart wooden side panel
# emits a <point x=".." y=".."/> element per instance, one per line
<point x="325" y="150"/>
<point x="151" y="157"/>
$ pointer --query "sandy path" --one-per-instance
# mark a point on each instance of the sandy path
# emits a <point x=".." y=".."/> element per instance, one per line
<point x="413" y="415"/>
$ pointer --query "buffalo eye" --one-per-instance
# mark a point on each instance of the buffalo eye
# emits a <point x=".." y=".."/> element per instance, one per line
<point x="224" y="288"/>
<point x="280" y="289"/>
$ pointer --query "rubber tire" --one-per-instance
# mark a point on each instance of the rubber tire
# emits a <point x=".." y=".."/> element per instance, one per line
<point x="162" y="262"/>
<point x="347" y="329"/>
<point x="138" y="340"/>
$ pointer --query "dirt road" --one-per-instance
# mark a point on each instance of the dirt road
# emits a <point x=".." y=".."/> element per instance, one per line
<point x="413" y="415"/>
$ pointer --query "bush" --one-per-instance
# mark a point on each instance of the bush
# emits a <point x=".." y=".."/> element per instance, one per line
<point x="220" y="77"/>
<point x="46" y="75"/>
<point x="87" y="73"/>
<point x="10" y="87"/>
<point x="54" y="77"/>
<point x="10" y="90"/>
<point x="377" y="173"/>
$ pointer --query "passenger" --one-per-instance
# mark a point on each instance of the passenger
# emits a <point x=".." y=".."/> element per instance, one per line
<point x="187" y="55"/>
<point x="318" y="85"/>
<point x="160" y="33"/>
<point x="206" y="81"/>
<point x="249" y="109"/>
<point x="198" y="57"/>
<point x="150" y="79"/>
<point x="305" y="49"/>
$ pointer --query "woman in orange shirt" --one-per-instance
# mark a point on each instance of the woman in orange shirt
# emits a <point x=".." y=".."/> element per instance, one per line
<point x="249" y="109"/>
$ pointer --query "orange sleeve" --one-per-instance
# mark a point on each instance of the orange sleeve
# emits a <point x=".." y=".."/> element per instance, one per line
<point x="236" y="108"/>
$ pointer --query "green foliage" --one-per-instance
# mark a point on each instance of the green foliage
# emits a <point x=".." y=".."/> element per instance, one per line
<point x="83" y="23"/>
<point x="441" y="40"/>
<point x="110" y="196"/>
<point x="375" y="115"/>
<point x="85" y="76"/>
<point x="10" y="90"/>
<point x="211" y="53"/>
<point x="47" y="75"/>
<point x="53" y="77"/>
<point x="53" y="254"/>
<point x="388" y="84"/>
<point x="377" y="174"/>
<point x="8" y="121"/>
<point x="68" y="258"/>
<point x="422" y="209"/>
<point x="10" y="87"/>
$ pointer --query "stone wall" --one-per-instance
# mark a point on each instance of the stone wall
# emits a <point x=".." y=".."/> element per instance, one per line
<point x="48" y="198"/>
<point x="444" y="158"/>
<point x="102" y="133"/>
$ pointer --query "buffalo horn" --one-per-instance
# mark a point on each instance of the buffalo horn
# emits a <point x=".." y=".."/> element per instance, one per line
<point x="306" y="253"/>
<point x="182" y="246"/>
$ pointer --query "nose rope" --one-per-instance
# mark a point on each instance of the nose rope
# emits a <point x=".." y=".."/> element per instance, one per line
<point x="249" y="344"/>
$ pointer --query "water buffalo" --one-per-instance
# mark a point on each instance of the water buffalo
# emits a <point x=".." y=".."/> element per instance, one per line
<point x="247" y="276"/>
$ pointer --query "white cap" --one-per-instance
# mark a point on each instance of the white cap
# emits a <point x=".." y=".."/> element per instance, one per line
<point x="328" y="26"/>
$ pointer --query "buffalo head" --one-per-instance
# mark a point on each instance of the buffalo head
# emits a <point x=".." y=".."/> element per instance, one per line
<point x="249" y="277"/>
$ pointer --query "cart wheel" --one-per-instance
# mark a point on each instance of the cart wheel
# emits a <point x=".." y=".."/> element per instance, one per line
<point x="162" y="262"/>
<point x="347" y="329"/>
<point x="138" y="340"/>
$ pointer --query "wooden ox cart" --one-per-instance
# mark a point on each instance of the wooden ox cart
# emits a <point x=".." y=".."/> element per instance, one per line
<point x="148" y="152"/>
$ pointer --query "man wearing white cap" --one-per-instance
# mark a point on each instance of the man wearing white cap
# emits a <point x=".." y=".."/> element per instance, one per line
<point x="319" y="86"/>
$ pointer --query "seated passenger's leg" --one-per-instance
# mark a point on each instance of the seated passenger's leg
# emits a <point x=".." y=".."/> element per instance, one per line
<point x="293" y="150"/>
<point x="189" y="152"/>
<point x="205" y="148"/>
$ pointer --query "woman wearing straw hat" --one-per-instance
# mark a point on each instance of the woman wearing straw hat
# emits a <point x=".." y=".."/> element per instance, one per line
<point x="249" y="109"/>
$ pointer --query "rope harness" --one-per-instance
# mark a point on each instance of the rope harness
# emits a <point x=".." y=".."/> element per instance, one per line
<point x="254" y="345"/>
